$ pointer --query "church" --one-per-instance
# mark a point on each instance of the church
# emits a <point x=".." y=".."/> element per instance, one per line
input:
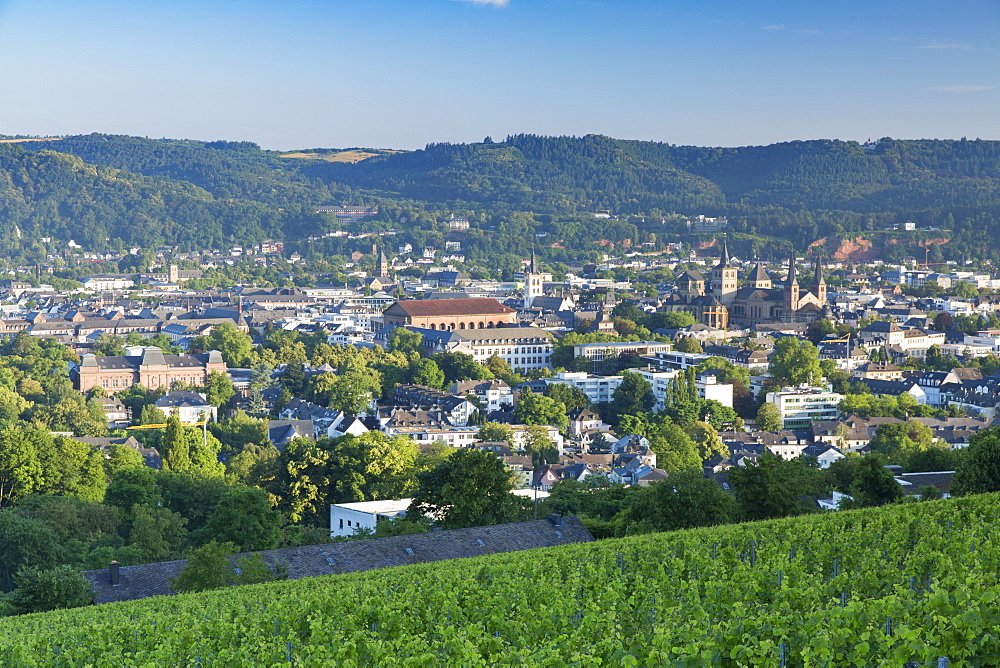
<point x="723" y="301"/>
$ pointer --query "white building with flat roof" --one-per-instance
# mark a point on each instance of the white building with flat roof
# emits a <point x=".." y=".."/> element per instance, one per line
<point x="597" y="388"/>
<point x="801" y="405"/>
<point x="347" y="518"/>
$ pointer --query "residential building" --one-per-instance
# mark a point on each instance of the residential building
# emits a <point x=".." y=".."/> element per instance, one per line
<point x="190" y="407"/>
<point x="798" y="406"/>
<point x="599" y="389"/>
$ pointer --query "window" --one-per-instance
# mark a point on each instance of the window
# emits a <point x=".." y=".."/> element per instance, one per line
<point x="341" y="522"/>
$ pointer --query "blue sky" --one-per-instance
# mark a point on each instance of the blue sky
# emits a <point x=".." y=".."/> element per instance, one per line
<point x="402" y="73"/>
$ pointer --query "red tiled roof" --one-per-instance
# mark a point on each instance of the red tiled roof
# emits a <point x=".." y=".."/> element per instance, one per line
<point x="416" y="308"/>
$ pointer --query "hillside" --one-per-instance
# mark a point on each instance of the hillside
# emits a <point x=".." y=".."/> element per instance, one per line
<point x="796" y="192"/>
<point x="903" y="583"/>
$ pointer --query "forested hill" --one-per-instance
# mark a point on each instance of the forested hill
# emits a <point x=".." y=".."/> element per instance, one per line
<point x="213" y="193"/>
<point x="798" y="190"/>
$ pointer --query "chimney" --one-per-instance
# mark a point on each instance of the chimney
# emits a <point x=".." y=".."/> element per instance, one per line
<point x="114" y="574"/>
<point x="555" y="519"/>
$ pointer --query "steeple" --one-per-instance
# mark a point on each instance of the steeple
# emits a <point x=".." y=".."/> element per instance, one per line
<point x="724" y="278"/>
<point x="791" y="291"/>
<point x="819" y="288"/>
<point x="532" y="281"/>
<point x="382" y="264"/>
<point x="724" y="261"/>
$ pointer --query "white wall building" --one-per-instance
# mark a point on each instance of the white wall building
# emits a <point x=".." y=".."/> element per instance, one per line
<point x="347" y="518"/>
<point x="597" y="388"/>
<point x="801" y="405"/>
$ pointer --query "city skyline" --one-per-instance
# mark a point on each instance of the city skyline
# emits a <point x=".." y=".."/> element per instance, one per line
<point x="397" y="74"/>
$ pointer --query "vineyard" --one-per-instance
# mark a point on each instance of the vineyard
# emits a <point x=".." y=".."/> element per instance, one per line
<point x="894" y="586"/>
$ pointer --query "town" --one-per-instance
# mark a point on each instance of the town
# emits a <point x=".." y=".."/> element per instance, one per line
<point x="590" y="380"/>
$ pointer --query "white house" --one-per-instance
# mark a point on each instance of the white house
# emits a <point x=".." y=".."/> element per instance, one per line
<point x="347" y="518"/>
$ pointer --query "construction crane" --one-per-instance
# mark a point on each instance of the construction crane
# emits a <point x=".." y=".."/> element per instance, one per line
<point x="927" y="255"/>
<point x="203" y="424"/>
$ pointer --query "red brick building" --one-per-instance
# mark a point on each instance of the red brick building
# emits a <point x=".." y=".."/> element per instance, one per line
<point x="450" y="314"/>
<point x="150" y="368"/>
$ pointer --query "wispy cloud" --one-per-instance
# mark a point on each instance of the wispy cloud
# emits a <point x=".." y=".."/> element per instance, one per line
<point x="492" y="3"/>
<point x="968" y="88"/>
<point x="777" y="26"/>
<point x="938" y="46"/>
<point x="808" y="31"/>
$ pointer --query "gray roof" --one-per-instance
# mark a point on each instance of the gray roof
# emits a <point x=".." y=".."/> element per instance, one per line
<point x="145" y="580"/>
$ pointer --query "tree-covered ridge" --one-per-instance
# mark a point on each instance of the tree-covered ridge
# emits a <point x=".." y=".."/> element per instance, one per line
<point x="217" y="193"/>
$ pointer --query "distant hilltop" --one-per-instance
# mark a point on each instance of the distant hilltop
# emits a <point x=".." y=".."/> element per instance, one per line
<point x="101" y="188"/>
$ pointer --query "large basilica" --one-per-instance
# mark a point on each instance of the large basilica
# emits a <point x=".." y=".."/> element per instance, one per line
<point x="757" y="301"/>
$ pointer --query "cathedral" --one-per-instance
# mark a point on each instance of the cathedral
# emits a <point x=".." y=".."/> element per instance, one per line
<point x="756" y="301"/>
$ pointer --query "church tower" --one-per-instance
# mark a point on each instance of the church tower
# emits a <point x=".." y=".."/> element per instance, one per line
<point x="791" y="290"/>
<point x="382" y="264"/>
<point x="691" y="285"/>
<point x="759" y="279"/>
<point x="532" y="281"/>
<point x="819" y="288"/>
<point x="724" y="278"/>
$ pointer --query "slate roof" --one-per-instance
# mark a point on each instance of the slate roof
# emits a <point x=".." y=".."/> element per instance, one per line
<point x="180" y="399"/>
<point x="145" y="580"/>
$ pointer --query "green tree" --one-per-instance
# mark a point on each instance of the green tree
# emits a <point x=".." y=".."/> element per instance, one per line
<point x="21" y="471"/>
<point x="874" y="484"/>
<point x="539" y="409"/>
<point x="674" y="448"/>
<point x="131" y="486"/>
<point x="237" y="432"/>
<point x="769" y="417"/>
<point x="120" y="457"/>
<point x="459" y="366"/>
<point x="979" y="470"/>
<point x="773" y="487"/>
<point x="219" y="389"/>
<point x="25" y="542"/>
<point x="403" y="340"/>
<point x="499" y="368"/>
<point x="12" y="405"/>
<point x="253" y="570"/>
<point x="426" y="372"/>
<point x="898" y="442"/>
<point x="685" y="500"/>
<point x="76" y="469"/>
<point x="633" y="397"/>
<point x="569" y="396"/>
<point x="208" y="567"/>
<point x="794" y="362"/>
<point x="234" y="345"/>
<point x="245" y="518"/>
<point x="707" y="440"/>
<point x="303" y="480"/>
<point x="495" y="431"/>
<point x="156" y="532"/>
<point x="43" y="589"/>
<point x="540" y="446"/>
<point x="688" y="344"/>
<point x="677" y="320"/>
<point x="470" y="488"/>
